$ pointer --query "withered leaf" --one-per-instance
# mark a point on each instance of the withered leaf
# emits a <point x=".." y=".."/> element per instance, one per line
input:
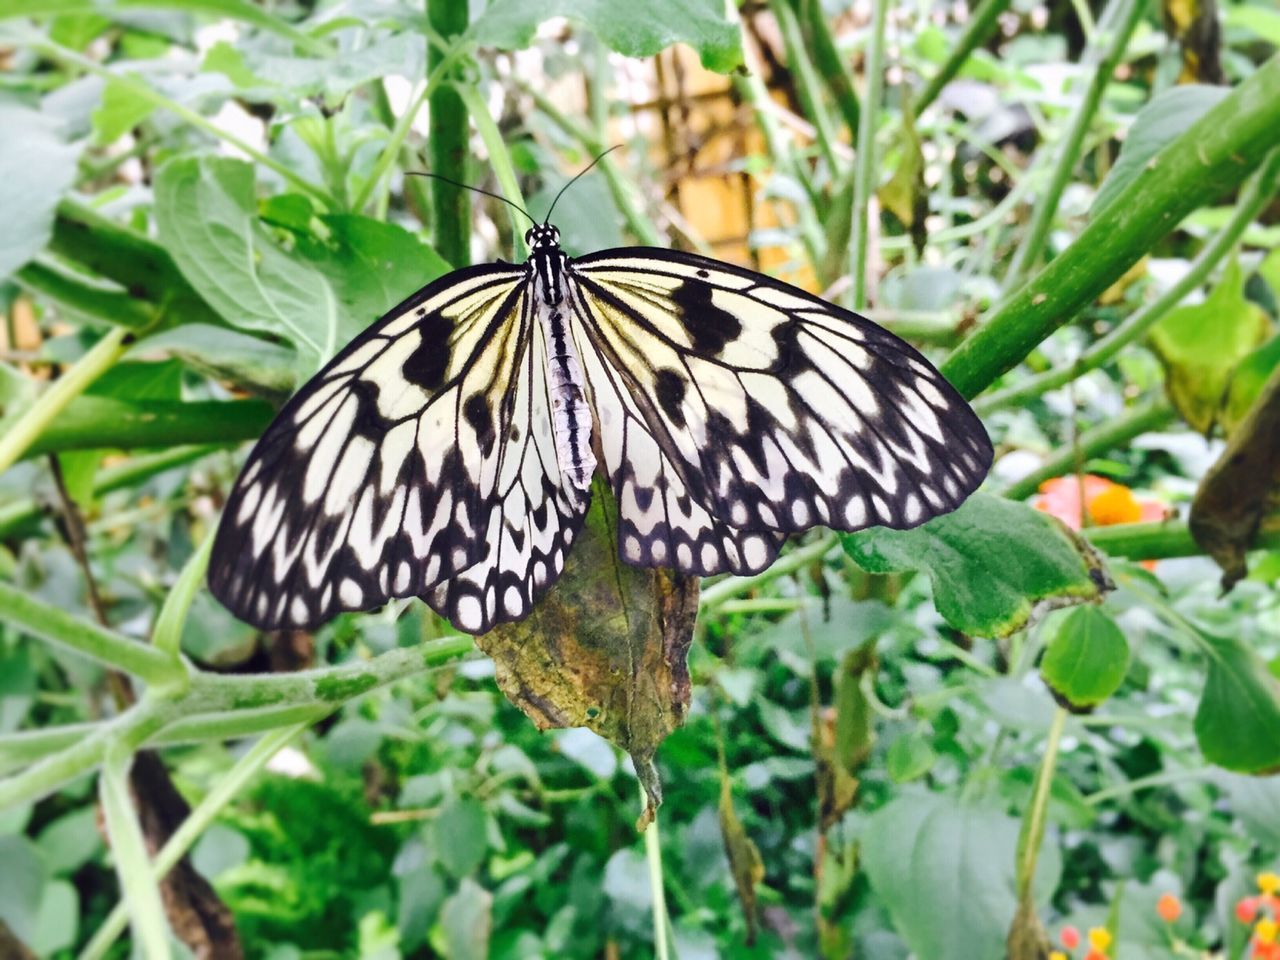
<point x="744" y="858"/>
<point x="605" y="649"/>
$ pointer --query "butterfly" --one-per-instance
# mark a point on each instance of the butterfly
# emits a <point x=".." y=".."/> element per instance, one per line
<point x="448" y="451"/>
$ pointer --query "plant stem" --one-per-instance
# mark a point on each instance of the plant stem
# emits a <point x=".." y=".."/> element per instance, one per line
<point x="499" y="159"/>
<point x="1107" y="436"/>
<point x="807" y="80"/>
<point x="447" y="141"/>
<point x="1213" y="156"/>
<point x="1255" y="198"/>
<point x="831" y="64"/>
<point x="224" y="791"/>
<point x="864" y="179"/>
<point x="653" y="854"/>
<point x="167" y="633"/>
<point x="722" y="590"/>
<point x="1138" y="784"/>
<point x="88" y="300"/>
<point x="20" y="437"/>
<point x="137" y="880"/>
<point x="1032" y="835"/>
<point x="1165" y="539"/>
<point x="982" y="22"/>
<point x="1124" y="14"/>
<point x="40" y="619"/>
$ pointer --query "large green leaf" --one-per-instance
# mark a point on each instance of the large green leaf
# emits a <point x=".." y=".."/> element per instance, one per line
<point x="36" y="167"/>
<point x="945" y="870"/>
<point x="1238" y="721"/>
<point x="990" y="562"/>
<point x="1161" y="121"/>
<point x="1202" y="344"/>
<point x="205" y="216"/>
<point x="633" y="29"/>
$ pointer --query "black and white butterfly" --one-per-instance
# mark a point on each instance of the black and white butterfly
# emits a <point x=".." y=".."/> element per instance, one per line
<point x="447" y="452"/>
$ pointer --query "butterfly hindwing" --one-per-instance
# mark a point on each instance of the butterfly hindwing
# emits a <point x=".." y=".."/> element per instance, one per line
<point x="776" y="410"/>
<point x="381" y="477"/>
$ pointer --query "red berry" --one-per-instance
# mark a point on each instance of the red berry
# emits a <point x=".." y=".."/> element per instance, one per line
<point x="1069" y="937"/>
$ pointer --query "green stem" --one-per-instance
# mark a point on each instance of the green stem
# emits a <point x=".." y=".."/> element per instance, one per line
<point x="447" y="138"/>
<point x="1107" y="436"/>
<point x="1257" y="195"/>
<point x="102" y="423"/>
<point x="657" y="889"/>
<point x="638" y="222"/>
<point x="807" y="85"/>
<point x="51" y="404"/>
<point x="1125" y="14"/>
<point x="1032" y="834"/>
<point x="139" y="89"/>
<point x="982" y="23"/>
<point x="167" y="633"/>
<point x="722" y="590"/>
<point x="183" y="839"/>
<point x="87" y="299"/>
<point x="1212" y="157"/>
<point x="1138" y="784"/>
<point x="115" y="650"/>
<point x="1165" y="539"/>
<point x="499" y="159"/>
<point x="864" y="180"/>
<point x="133" y="867"/>
<point x="830" y="62"/>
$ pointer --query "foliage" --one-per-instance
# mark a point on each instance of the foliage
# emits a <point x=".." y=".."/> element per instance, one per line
<point x="894" y="743"/>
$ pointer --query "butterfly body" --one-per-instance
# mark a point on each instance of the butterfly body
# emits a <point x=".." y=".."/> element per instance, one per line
<point x="448" y="451"/>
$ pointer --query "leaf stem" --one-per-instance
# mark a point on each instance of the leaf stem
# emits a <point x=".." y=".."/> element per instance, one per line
<point x="1138" y="784"/>
<point x="864" y="178"/>
<point x="499" y="159"/>
<point x="657" y="888"/>
<point x="1100" y="67"/>
<point x="447" y="139"/>
<point x="19" y="438"/>
<point x="722" y="590"/>
<point x="1032" y="835"/>
<point x="982" y="23"/>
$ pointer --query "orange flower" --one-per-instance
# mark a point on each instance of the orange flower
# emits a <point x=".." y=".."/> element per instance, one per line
<point x="1169" y="907"/>
<point x="1069" y="937"/>
<point x="1095" y="955"/>
<point x="1108" y="503"/>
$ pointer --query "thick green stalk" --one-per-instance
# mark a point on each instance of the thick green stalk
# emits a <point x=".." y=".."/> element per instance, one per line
<point x="86" y="299"/>
<point x="830" y="62"/>
<point x="23" y="611"/>
<point x="864" y="183"/>
<point x="1212" y="157"/>
<point x="1031" y="836"/>
<point x="982" y="23"/>
<point x="447" y="142"/>
<point x="101" y="423"/>
<point x="1165" y="539"/>
<point x="1253" y="200"/>
<point x="1108" y="436"/>
<point x="133" y="866"/>
<point x="167" y="633"/>
<point x="51" y="405"/>
<point x="715" y="594"/>
<point x="201" y="816"/>
<point x="1122" y="17"/>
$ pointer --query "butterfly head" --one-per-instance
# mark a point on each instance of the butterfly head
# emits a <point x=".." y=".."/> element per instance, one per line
<point x="542" y="236"/>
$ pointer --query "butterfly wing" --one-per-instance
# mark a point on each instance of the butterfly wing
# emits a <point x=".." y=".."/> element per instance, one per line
<point x="390" y="473"/>
<point x="735" y="408"/>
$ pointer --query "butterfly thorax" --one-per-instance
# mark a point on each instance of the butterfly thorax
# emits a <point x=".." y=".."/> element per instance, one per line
<point x="570" y="413"/>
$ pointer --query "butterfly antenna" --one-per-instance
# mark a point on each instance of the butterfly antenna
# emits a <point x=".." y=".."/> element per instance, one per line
<point x="574" y="179"/>
<point x="467" y="186"/>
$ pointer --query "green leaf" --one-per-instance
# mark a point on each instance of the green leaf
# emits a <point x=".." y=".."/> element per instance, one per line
<point x="1247" y="382"/>
<point x="945" y="870"/>
<point x="58" y="922"/>
<point x="1202" y="344"/>
<point x="1163" y="120"/>
<point x="466" y="919"/>
<point x="228" y="355"/>
<point x="122" y="108"/>
<point x="910" y="757"/>
<point x="460" y="839"/>
<point x="1238" y="722"/>
<point x="206" y="218"/>
<point x="1086" y="658"/>
<point x="21" y="885"/>
<point x="632" y="29"/>
<point x="36" y="168"/>
<point x="1263" y="23"/>
<point x="990" y="562"/>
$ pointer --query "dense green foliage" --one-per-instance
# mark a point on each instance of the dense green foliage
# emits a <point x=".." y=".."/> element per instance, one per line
<point x="949" y="742"/>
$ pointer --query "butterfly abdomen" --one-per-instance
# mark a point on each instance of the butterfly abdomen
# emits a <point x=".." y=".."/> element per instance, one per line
<point x="570" y="414"/>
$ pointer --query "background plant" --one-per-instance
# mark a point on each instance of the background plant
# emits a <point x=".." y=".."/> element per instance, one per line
<point x="1072" y="205"/>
